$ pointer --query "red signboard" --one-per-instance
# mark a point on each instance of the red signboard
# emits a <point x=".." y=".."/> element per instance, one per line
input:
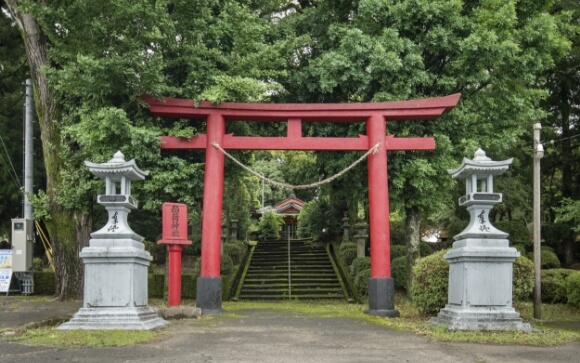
<point x="174" y="217"/>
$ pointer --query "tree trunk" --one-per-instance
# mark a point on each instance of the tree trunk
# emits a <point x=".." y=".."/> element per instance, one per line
<point x="67" y="230"/>
<point x="413" y="235"/>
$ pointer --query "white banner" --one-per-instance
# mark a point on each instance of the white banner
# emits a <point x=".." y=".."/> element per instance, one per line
<point x="5" y="270"/>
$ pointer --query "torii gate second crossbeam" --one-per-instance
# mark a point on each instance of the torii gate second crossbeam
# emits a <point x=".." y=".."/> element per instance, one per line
<point x="375" y="115"/>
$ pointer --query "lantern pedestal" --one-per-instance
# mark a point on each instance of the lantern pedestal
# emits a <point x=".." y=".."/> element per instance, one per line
<point x="481" y="261"/>
<point x="116" y="263"/>
<point x="480" y="287"/>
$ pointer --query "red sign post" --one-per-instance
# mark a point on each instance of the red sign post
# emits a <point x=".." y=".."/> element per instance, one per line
<point x="174" y="219"/>
<point x="375" y="115"/>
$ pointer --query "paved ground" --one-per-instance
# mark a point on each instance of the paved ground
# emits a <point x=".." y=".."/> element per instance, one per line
<point x="264" y="336"/>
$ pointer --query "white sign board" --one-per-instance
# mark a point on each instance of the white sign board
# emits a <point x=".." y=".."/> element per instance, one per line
<point x="5" y="270"/>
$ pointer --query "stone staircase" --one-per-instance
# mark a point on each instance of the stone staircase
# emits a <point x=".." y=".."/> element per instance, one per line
<point x="310" y="275"/>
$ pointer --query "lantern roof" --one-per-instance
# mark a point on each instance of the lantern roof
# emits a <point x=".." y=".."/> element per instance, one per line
<point x="481" y="164"/>
<point x="116" y="168"/>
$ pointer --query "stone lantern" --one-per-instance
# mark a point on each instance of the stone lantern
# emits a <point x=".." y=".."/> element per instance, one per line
<point x="481" y="261"/>
<point x="116" y="263"/>
<point x="345" y="227"/>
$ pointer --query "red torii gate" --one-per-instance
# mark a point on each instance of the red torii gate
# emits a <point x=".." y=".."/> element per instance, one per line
<point x="381" y="285"/>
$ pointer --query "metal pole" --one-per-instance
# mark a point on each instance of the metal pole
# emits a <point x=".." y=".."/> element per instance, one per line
<point x="289" y="269"/>
<point x="538" y="154"/>
<point x="28" y="138"/>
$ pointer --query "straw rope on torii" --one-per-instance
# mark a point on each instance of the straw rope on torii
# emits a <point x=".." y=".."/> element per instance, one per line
<point x="372" y="150"/>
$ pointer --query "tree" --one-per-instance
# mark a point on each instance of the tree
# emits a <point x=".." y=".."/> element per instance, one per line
<point x="270" y="226"/>
<point x="560" y="166"/>
<point x="491" y="51"/>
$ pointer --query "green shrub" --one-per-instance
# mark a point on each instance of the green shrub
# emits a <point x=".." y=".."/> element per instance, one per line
<point x="361" y="282"/>
<point x="270" y="226"/>
<point x="425" y="249"/>
<point x="521" y="249"/>
<point x="194" y="249"/>
<point x="226" y="265"/>
<point x="157" y="251"/>
<point x="37" y="264"/>
<point x="548" y="257"/>
<point x="429" y="282"/>
<point x="347" y="251"/>
<point x="359" y="264"/>
<point x="517" y="230"/>
<point x="401" y="272"/>
<point x="398" y="251"/>
<point x="523" y="279"/>
<point x="235" y="250"/>
<point x="554" y="285"/>
<point x="573" y="288"/>
<point x="197" y="268"/>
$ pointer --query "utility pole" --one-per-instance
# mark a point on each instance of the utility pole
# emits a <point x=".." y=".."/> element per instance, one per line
<point x="538" y="154"/>
<point x="28" y="142"/>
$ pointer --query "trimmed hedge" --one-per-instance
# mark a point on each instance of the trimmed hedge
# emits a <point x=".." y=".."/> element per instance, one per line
<point x="361" y="282"/>
<point x="235" y="250"/>
<point x="226" y="265"/>
<point x="347" y="251"/>
<point x="359" y="264"/>
<point x="523" y="279"/>
<point x="44" y="284"/>
<point x="548" y="257"/>
<point x="429" y="283"/>
<point x="401" y="272"/>
<point x="554" y="285"/>
<point x="425" y="249"/>
<point x="398" y="251"/>
<point x="573" y="288"/>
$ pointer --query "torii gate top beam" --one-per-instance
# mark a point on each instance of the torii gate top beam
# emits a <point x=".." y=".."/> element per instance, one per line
<point x="294" y="114"/>
<point x="424" y="109"/>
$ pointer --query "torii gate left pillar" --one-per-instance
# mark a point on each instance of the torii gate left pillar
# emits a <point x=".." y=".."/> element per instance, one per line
<point x="375" y="115"/>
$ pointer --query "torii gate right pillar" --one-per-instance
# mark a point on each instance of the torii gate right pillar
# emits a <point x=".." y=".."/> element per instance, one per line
<point x="381" y="284"/>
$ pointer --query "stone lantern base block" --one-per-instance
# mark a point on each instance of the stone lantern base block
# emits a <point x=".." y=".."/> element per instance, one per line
<point x="480" y="286"/>
<point x="116" y="291"/>
<point x="129" y="318"/>
<point x="480" y="319"/>
<point x="382" y="297"/>
<point x="209" y="295"/>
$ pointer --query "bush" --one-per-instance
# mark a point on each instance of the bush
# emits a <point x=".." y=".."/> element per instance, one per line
<point x="235" y="250"/>
<point x="429" y="282"/>
<point x="194" y="249"/>
<point x="157" y="251"/>
<point x="425" y="249"/>
<point x="270" y="226"/>
<point x="361" y="282"/>
<point x="398" y="251"/>
<point x="401" y="272"/>
<point x="523" y="279"/>
<point x="521" y="249"/>
<point x="548" y="257"/>
<point x="517" y="230"/>
<point x="573" y="288"/>
<point x="359" y="264"/>
<point x="226" y="266"/>
<point x="554" y="285"/>
<point x="347" y="251"/>
<point x="37" y="264"/>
